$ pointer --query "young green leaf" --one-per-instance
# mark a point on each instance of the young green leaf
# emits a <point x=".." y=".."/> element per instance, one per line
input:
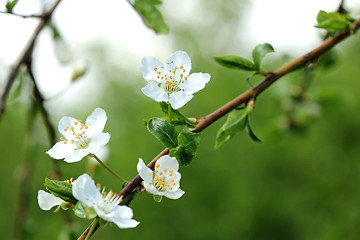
<point x="151" y="16"/>
<point x="232" y="61"/>
<point x="259" y="53"/>
<point x="10" y="5"/>
<point x="332" y="21"/>
<point x="250" y="131"/>
<point x="235" y="122"/>
<point x="175" y="114"/>
<point x="163" y="131"/>
<point x="186" y="150"/>
<point x="61" y="189"/>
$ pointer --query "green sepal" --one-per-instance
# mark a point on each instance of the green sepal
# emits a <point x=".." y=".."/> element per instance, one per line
<point x="163" y="131"/>
<point x="61" y="189"/>
<point x="177" y="118"/>
<point x="235" y="122"/>
<point x="157" y="198"/>
<point x="250" y="131"/>
<point x="236" y="62"/>
<point x="151" y="16"/>
<point x="83" y="211"/>
<point x="10" y="5"/>
<point x="259" y="53"/>
<point x="186" y="150"/>
<point x="333" y="21"/>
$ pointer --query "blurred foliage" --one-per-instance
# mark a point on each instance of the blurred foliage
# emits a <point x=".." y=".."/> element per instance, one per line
<point x="295" y="185"/>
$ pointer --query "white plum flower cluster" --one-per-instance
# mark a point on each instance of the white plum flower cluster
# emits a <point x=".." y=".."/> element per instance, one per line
<point x="170" y="83"/>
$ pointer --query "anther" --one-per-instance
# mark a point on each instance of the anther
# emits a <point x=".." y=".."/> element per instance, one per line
<point x="158" y="77"/>
<point x="75" y="123"/>
<point x="155" y="69"/>
<point x="149" y="174"/>
<point x="181" y="75"/>
<point x="165" y="170"/>
<point x="170" y="188"/>
<point x="160" y="173"/>
<point x="183" y="70"/>
<point x="156" y="171"/>
<point x="181" y="67"/>
<point x="62" y="138"/>
<point x="65" y="142"/>
<point x="158" y="72"/>
<point x="157" y="165"/>
<point x="171" y="61"/>
<point x="185" y="78"/>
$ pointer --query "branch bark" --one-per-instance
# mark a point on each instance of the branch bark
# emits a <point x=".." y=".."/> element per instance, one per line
<point x="250" y="94"/>
<point x="45" y="16"/>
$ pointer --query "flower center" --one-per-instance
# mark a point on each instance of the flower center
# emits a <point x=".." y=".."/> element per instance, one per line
<point x="109" y="200"/>
<point x="171" y="77"/>
<point x="79" y="137"/>
<point x="163" y="179"/>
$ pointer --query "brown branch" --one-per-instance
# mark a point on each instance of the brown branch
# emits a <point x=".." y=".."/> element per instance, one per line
<point x="45" y="16"/>
<point x="248" y="95"/>
<point x="21" y="15"/>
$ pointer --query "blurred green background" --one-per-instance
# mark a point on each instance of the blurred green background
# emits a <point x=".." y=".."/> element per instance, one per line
<point x="302" y="182"/>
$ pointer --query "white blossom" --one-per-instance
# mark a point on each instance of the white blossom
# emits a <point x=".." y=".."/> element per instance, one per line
<point x="164" y="180"/>
<point x="171" y="82"/>
<point x="80" y="139"/>
<point x="106" y="205"/>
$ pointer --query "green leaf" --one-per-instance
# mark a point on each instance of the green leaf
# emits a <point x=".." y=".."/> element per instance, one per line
<point x="186" y="150"/>
<point x="332" y="21"/>
<point x="10" y="5"/>
<point x="232" y="61"/>
<point x="61" y="189"/>
<point x="163" y="131"/>
<point x="177" y="119"/>
<point x="259" y="53"/>
<point x="250" y="131"/>
<point x="83" y="211"/>
<point x="151" y="16"/>
<point x="235" y="122"/>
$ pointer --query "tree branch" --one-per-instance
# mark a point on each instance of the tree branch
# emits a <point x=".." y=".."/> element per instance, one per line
<point x="45" y="16"/>
<point x="248" y="95"/>
<point x="21" y="15"/>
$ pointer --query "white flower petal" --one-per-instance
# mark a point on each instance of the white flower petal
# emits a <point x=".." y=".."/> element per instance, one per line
<point x="122" y="217"/>
<point x="64" y="127"/>
<point x="47" y="200"/>
<point x="170" y="163"/>
<point x="148" y="66"/>
<point x="178" y="59"/>
<point x="84" y="190"/>
<point x="174" y="195"/>
<point x="76" y="155"/>
<point x="98" y="141"/>
<point x="195" y="82"/>
<point x="144" y="171"/>
<point x="96" y="122"/>
<point x="153" y="91"/>
<point x="61" y="150"/>
<point x="179" y="99"/>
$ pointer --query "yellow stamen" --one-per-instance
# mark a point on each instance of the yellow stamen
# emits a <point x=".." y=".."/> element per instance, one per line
<point x="157" y="165"/>
<point x="181" y="75"/>
<point x="156" y="171"/>
<point x="65" y="142"/>
<point x="165" y="170"/>
<point x="155" y="69"/>
<point x="75" y="123"/>
<point x="149" y="174"/>
<point x="181" y="67"/>
<point x="62" y="138"/>
<point x="183" y="70"/>
<point x="160" y="173"/>
<point x="164" y="178"/>
<point x="171" y="61"/>
<point x="170" y="188"/>
<point x="185" y="78"/>
<point x="166" y="184"/>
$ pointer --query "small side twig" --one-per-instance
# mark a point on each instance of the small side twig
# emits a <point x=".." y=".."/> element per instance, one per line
<point x="21" y="15"/>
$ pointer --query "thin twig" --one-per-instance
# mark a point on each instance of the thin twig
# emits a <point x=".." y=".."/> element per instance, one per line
<point x="249" y="94"/>
<point x="21" y="15"/>
<point x="45" y="16"/>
